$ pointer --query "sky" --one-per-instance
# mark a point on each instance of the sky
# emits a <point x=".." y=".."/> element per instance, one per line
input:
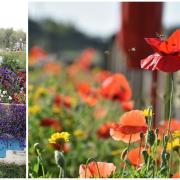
<point x="94" y="18"/>
<point x="13" y="14"/>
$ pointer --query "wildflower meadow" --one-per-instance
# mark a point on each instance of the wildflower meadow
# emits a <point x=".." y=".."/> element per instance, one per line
<point x="83" y="120"/>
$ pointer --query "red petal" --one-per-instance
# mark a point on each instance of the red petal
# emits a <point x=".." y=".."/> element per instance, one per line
<point x="151" y="62"/>
<point x="167" y="63"/>
<point x="135" y="158"/>
<point x="154" y="43"/>
<point x="172" y="45"/>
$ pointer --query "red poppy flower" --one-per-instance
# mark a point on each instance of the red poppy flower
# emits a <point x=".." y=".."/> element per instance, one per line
<point x="85" y="59"/>
<point x="176" y="175"/>
<point x="91" y="100"/>
<point x="127" y="105"/>
<point x="167" y="55"/>
<point x="36" y="53"/>
<point x="73" y="70"/>
<point x="51" y="122"/>
<point x="104" y="130"/>
<point x="84" y="88"/>
<point x="102" y="75"/>
<point x="58" y="100"/>
<point x="135" y="157"/>
<point x="116" y="87"/>
<point x="175" y="125"/>
<point x="52" y="68"/>
<point x="62" y="101"/>
<point x="131" y="124"/>
<point x="91" y="170"/>
<point x="67" y="101"/>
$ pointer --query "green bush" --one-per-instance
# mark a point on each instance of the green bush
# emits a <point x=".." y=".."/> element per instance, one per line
<point x="12" y="171"/>
<point x="14" y="60"/>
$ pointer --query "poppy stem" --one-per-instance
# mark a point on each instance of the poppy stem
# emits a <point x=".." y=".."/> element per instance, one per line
<point x="169" y="110"/>
<point x="170" y="103"/>
<point x="139" y="151"/>
<point x="127" y="153"/>
<point x="168" y="96"/>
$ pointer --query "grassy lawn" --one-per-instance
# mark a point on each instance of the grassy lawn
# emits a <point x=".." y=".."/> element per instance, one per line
<point x="12" y="171"/>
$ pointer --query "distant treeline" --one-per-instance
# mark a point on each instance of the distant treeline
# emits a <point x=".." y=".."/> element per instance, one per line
<point x="9" y="38"/>
<point x="56" y="37"/>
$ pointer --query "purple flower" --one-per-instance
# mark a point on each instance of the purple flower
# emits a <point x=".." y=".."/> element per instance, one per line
<point x="13" y="121"/>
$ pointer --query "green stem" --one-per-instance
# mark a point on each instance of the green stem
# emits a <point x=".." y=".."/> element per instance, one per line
<point x="168" y="96"/>
<point x="60" y="172"/>
<point x="127" y="153"/>
<point x="170" y="103"/>
<point x="168" y="108"/>
<point x="139" y="153"/>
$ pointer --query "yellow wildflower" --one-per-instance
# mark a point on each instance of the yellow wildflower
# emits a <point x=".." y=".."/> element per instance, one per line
<point x="40" y="91"/>
<point x="74" y="101"/>
<point x="148" y="112"/>
<point x="176" y="134"/>
<point x="56" y="109"/>
<point x="174" y="144"/>
<point x="78" y="133"/>
<point x="34" y="109"/>
<point x="59" y="138"/>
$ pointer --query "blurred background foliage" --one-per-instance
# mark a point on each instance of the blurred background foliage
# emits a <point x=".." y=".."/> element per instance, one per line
<point x="53" y="36"/>
<point x="9" y="36"/>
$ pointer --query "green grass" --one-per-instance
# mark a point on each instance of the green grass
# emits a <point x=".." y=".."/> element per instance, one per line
<point x="12" y="171"/>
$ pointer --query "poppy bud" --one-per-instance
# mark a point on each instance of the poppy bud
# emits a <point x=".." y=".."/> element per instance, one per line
<point x="59" y="158"/>
<point x="36" y="146"/>
<point x="165" y="156"/>
<point x="145" y="156"/>
<point x="147" y="120"/>
<point x="157" y="131"/>
<point x="142" y="136"/>
<point x="164" y="170"/>
<point x="124" y="153"/>
<point x="150" y="137"/>
<point x="158" y="142"/>
<point x="37" y="149"/>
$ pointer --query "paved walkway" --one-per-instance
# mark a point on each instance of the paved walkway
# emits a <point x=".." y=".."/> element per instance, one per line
<point x="17" y="157"/>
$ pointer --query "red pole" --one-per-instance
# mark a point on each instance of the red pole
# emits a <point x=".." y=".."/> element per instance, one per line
<point x="140" y="20"/>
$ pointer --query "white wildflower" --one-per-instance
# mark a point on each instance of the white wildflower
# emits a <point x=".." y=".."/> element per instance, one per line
<point x="4" y="92"/>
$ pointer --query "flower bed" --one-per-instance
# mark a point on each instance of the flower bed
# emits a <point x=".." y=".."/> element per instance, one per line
<point x="12" y="103"/>
<point x="13" y="126"/>
<point x="89" y="127"/>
